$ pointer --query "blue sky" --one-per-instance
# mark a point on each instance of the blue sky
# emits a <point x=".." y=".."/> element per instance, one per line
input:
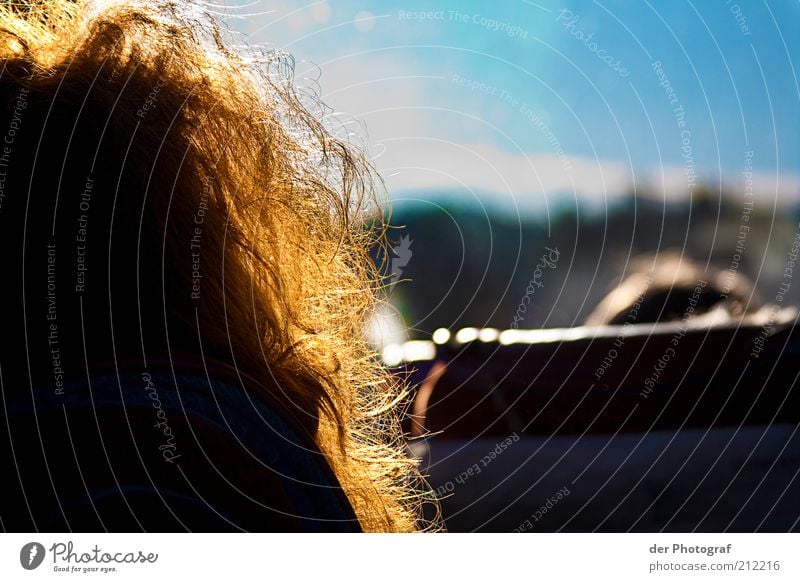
<point x="516" y="98"/>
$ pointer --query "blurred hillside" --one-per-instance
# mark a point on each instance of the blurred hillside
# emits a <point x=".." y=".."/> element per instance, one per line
<point x="466" y="266"/>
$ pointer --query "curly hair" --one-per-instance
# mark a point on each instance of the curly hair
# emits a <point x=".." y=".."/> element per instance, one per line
<point x="202" y="209"/>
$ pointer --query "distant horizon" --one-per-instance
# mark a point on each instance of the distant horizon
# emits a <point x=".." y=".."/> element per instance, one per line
<point x="531" y="203"/>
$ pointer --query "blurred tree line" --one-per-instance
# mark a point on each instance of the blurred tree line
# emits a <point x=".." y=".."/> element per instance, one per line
<point x="465" y="266"/>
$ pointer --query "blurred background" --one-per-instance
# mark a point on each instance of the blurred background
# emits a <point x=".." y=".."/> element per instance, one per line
<point x="533" y="153"/>
<point x="605" y="130"/>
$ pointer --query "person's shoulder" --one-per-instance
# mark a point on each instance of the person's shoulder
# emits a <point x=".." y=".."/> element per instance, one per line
<point x="175" y="447"/>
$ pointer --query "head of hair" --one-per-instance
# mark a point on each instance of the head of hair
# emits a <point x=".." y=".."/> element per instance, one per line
<point x="660" y="288"/>
<point x="163" y="191"/>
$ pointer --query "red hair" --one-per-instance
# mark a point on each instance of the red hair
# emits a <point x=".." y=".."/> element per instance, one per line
<point x="223" y="218"/>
